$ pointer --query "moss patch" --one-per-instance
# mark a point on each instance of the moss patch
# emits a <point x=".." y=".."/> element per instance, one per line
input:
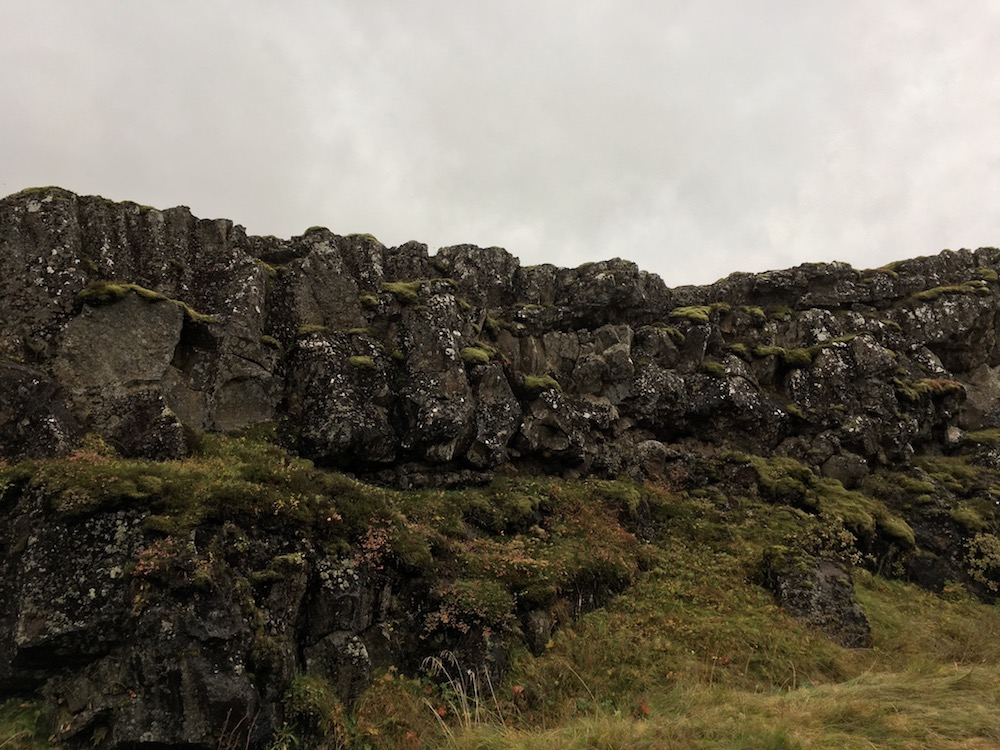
<point x="405" y="292"/>
<point x="107" y="292"/>
<point x="535" y="385"/>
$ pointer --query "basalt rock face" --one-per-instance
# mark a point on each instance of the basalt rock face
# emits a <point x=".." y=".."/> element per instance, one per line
<point x="420" y="369"/>
<point x="147" y="328"/>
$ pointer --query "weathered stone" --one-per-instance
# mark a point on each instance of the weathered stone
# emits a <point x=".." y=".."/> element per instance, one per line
<point x="819" y="592"/>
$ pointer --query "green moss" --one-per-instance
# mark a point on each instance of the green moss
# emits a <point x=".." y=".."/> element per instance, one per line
<point x="693" y="313"/>
<point x="316" y="228"/>
<point x="915" y="391"/>
<point x="312" y="706"/>
<point x="676" y="335"/>
<point x="741" y="350"/>
<point x="359" y="331"/>
<point x="987" y="274"/>
<point x="270" y="270"/>
<point x="309" y="329"/>
<point x="475" y="355"/>
<point x="107" y="292"/>
<point x="895" y="528"/>
<point x="361" y="362"/>
<point x="795" y="410"/>
<point x="989" y="437"/>
<point x="405" y="292"/>
<point x="366" y="237"/>
<point x="271" y="342"/>
<point x="793" y="358"/>
<point x="494" y="326"/>
<point x="713" y="368"/>
<point x="369" y="301"/>
<point x="967" y="517"/>
<point x="535" y="385"/>
<point x="782" y="479"/>
<point x="779" y="312"/>
<point x="799" y="357"/>
<point x="764" y="350"/>
<point x="757" y="314"/>
<point x="974" y="286"/>
<point x="57" y="193"/>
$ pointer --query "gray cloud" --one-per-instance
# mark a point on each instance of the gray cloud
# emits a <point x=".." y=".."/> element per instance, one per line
<point x="696" y="138"/>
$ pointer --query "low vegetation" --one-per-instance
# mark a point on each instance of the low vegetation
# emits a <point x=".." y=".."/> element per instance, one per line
<point x="679" y="647"/>
<point x="106" y="292"/>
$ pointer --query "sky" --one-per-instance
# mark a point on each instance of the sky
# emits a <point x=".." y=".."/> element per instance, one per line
<point x="693" y="137"/>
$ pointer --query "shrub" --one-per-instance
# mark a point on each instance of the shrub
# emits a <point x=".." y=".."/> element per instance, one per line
<point x="983" y="560"/>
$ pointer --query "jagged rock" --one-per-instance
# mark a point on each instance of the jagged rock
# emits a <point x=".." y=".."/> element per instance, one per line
<point x="146" y="326"/>
<point x="435" y="398"/>
<point x="34" y="419"/>
<point x="339" y="399"/>
<point x="222" y="331"/>
<point x="819" y="592"/>
<point x="497" y="418"/>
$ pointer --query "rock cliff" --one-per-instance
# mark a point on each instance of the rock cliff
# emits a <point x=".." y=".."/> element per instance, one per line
<point x="131" y="323"/>
<point x="130" y="334"/>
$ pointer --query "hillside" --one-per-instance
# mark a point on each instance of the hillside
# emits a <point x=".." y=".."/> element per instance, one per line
<point x="318" y="492"/>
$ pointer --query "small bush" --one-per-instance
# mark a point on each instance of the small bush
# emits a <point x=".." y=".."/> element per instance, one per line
<point x="983" y="560"/>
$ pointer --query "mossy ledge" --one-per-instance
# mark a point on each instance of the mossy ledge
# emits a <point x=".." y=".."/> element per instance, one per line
<point x="107" y="292"/>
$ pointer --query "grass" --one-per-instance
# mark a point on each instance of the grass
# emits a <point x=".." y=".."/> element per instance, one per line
<point x="24" y="725"/>
<point x="665" y="639"/>
<point x="696" y="656"/>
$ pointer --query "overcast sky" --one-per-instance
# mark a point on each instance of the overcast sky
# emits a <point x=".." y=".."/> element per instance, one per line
<point x="695" y="138"/>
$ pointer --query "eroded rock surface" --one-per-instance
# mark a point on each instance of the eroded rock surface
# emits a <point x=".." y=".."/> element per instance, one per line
<point x="372" y="356"/>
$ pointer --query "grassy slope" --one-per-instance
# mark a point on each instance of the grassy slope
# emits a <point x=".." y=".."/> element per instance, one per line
<point x="691" y="655"/>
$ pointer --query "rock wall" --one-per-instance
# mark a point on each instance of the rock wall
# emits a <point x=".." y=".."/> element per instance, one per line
<point x="159" y="625"/>
<point x="132" y="323"/>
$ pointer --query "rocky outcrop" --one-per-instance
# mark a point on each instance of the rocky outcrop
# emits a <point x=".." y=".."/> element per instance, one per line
<point x="148" y="330"/>
<point x="135" y="323"/>
<point x="818" y="591"/>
